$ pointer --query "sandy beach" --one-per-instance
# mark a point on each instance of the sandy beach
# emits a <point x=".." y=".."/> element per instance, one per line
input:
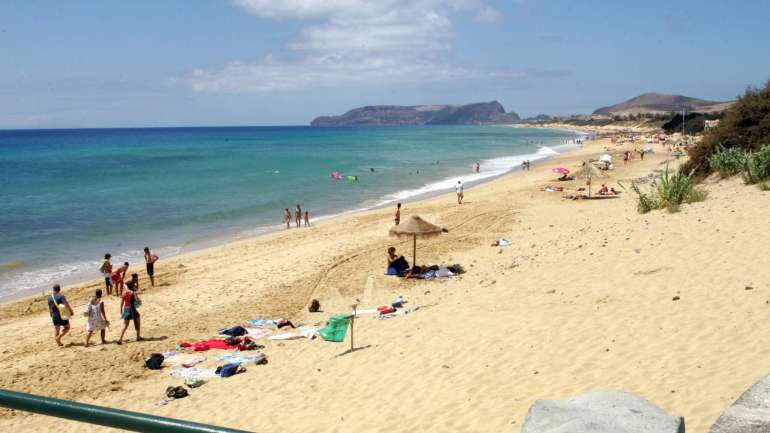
<point x="582" y="300"/>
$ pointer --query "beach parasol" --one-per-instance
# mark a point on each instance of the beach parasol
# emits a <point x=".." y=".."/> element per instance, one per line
<point x="415" y="227"/>
<point x="589" y="171"/>
<point x="560" y="170"/>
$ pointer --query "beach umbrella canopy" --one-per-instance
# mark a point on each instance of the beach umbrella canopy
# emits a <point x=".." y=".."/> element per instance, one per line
<point x="589" y="171"/>
<point x="415" y="227"/>
<point x="560" y="170"/>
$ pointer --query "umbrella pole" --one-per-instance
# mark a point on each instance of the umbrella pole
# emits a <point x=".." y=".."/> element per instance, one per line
<point x="414" y="251"/>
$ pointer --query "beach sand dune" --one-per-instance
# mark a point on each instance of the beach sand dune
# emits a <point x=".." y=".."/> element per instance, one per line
<point x="582" y="300"/>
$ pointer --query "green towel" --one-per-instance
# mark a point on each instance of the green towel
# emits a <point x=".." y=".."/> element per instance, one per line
<point x="336" y="329"/>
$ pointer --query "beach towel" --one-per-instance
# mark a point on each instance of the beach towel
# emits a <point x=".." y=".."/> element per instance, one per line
<point x="185" y="360"/>
<point x="336" y="329"/>
<point x="366" y="312"/>
<point x="194" y="373"/>
<point x="257" y="333"/>
<point x="263" y="324"/>
<point x="202" y="346"/>
<point x="302" y="332"/>
<point x="242" y="359"/>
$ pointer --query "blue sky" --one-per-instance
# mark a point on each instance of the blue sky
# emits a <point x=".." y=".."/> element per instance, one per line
<point x="261" y="62"/>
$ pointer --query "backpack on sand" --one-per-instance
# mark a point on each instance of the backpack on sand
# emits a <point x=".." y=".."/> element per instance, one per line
<point x="154" y="362"/>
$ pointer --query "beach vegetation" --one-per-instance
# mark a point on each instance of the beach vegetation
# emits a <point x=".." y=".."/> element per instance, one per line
<point x="745" y="125"/>
<point x="728" y="162"/>
<point x="670" y="192"/>
<point x="757" y="166"/>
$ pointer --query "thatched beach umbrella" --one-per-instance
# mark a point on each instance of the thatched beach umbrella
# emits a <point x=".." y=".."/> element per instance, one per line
<point x="589" y="171"/>
<point x="415" y="227"/>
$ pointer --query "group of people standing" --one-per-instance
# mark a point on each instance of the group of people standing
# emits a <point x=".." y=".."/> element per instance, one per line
<point x="96" y="315"/>
<point x="297" y="217"/>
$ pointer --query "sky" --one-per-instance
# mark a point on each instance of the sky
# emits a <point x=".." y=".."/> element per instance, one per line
<point x="144" y="63"/>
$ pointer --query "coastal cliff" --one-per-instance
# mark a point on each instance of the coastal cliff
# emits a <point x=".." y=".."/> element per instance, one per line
<point x="482" y="113"/>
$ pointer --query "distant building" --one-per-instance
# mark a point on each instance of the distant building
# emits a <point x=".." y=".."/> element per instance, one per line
<point x="709" y="124"/>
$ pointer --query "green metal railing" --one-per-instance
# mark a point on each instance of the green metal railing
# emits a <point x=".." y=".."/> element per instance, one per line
<point x="105" y="416"/>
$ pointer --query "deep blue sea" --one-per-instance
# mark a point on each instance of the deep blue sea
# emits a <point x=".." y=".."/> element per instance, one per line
<point x="69" y="196"/>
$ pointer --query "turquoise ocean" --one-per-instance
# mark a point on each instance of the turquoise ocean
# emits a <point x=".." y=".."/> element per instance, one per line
<point x="69" y="196"/>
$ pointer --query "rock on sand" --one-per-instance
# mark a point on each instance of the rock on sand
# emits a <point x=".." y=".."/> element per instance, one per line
<point x="749" y="414"/>
<point x="600" y="412"/>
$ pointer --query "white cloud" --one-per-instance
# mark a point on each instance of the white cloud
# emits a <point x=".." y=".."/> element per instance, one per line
<point x="488" y="14"/>
<point x="352" y="42"/>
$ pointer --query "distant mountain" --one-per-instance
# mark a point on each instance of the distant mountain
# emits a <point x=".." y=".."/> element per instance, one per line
<point x="482" y="113"/>
<point x="649" y="103"/>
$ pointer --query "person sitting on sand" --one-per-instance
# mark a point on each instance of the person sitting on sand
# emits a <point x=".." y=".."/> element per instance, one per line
<point x="60" y="313"/>
<point x="117" y="277"/>
<point x="604" y="190"/>
<point x="129" y="305"/>
<point x="396" y="264"/>
<point x="96" y="317"/>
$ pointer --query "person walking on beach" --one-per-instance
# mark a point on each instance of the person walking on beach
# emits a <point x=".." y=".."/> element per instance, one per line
<point x="97" y="317"/>
<point x="397" y="218"/>
<point x="307" y="219"/>
<point x="459" y="191"/>
<point x="149" y="260"/>
<point x="60" y="314"/>
<point x="118" y="276"/>
<point x="298" y="216"/>
<point x="129" y="305"/>
<point x="287" y="218"/>
<point x="106" y="269"/>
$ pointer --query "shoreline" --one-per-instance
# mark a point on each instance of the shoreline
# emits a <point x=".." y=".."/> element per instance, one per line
<point x="213" y="240"/>
<point x="582" y="300"/>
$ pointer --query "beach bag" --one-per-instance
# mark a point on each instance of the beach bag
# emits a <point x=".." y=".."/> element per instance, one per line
<point x="64" y="313"/>
<point x="227" y="370"/>
<point x="193" y="382"/>
<point x="154" y="362"/>
<point x="386" y="309"/>
<point x="176" y="392"/>
<point x="248" y="344"/>
<point x="232" y="341"/>
<point x="314" y="307"/>
<point x="336" y="329"/>
<point x="87" y="310"/>
<point x="235" y="331"/>
<point x="137" y="301"/>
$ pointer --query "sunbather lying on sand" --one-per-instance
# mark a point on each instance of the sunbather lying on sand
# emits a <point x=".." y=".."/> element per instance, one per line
<point x="550" y="188"/>
<point x="565" y="177"/>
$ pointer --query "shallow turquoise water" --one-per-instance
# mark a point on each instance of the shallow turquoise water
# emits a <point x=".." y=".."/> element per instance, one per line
<point x="69" y="196"/>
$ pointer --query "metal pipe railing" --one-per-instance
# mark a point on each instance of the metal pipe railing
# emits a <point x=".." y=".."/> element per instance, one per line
<point x="105" y="416"/>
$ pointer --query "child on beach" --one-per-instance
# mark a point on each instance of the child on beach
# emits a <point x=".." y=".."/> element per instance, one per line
<point x="97" y="317"/>
<point x="117" y="277"/>
<point x="397" y="218"/>
<point x="149" y="260"/>
<point x="135" y="281"/>
<point x="106" y="270"/>
<point x="60" y="311"/>
<point x="129" y="305"/>
<point x="298" y="216"/>
<point x="287" y="218"/>
<point x="307" y="219"/>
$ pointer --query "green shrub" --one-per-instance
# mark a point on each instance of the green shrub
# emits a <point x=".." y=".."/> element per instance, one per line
<point x="670" y="192"/>
<point x="764" y="186"/>
<point x="728" y="162"/>
<point x="757" y="166"/>
<point x="745" y="125"/>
